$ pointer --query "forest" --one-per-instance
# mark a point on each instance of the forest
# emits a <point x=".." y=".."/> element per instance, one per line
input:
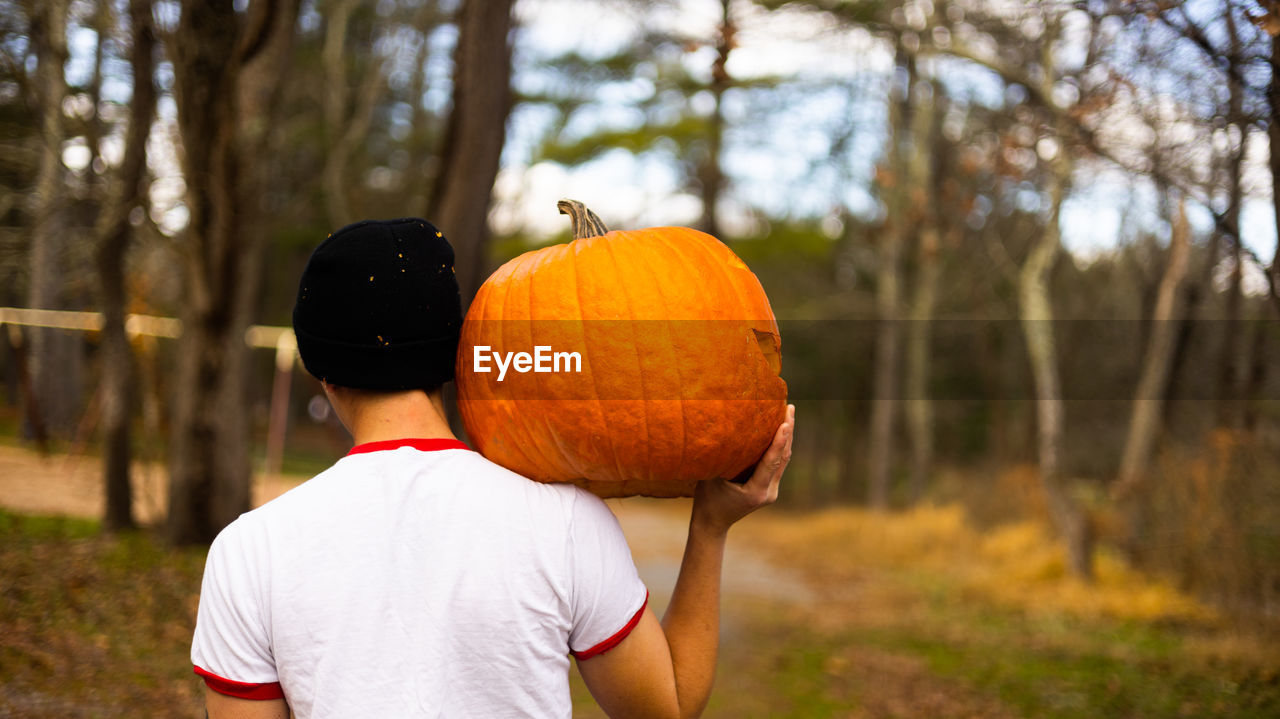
<point x="1023" y="257"/>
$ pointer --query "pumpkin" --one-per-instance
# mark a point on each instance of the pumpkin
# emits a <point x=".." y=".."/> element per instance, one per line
<point x="678" y="351"/>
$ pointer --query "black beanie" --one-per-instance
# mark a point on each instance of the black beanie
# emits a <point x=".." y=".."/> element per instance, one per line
<point x="378" y="307"/>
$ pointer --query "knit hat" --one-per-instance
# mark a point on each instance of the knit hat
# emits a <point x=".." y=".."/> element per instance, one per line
<point x="378" y="307"/>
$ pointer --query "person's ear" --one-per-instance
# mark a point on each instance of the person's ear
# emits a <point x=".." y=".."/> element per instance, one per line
<point x="331" y="392"/>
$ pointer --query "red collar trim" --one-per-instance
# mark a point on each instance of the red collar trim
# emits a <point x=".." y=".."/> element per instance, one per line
<point x="425" y="445"/>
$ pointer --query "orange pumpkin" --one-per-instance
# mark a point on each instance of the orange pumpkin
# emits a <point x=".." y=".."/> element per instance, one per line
<point x="678" y="362"/>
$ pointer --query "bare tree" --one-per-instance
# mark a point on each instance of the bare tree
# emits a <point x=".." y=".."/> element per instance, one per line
<point x="889" y="241"/>
<point x="1037" y="324"/>
<point x="226" y="72"/>
<point x="119" y="379"/>
<point x="474" y="136"/>
<point x="49" y="350"/>
<point x="924" y="293"/>
<point x="1038" y="73"/>
<point x="710" y="173"/>
<point x="1232" y="66"/>
<point x="346" y="120"/>
<point x="1144" y="422"/>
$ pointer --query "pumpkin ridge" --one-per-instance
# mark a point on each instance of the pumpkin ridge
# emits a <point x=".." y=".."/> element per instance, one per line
<point x="575" y="254"/>
<point x="566" y="458"/>
<point x="716" y="257"/>
<point x="542" y="428"/>
<point x="635" y="345"/>
<point x="706" y="250"/>
<point x="717" y="260"/>
<point x="537" y="460"/>
<point x="563" y="256"/>
<point x="750" y="288"/>
<point x="642" y="247"/>
<point x="684" y="417"/>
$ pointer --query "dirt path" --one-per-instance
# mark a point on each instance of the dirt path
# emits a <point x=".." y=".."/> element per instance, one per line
<point x="71" y="485"/>
<point x="656" y="531"/>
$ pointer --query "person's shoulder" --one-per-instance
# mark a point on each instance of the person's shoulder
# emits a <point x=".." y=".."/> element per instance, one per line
<point x="242" y="532"/>
<point x="298" y="498"/>
<point x="568" y="495"/>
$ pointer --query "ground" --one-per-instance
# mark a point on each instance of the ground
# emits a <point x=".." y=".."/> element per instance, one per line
<point x="833" y="614"/>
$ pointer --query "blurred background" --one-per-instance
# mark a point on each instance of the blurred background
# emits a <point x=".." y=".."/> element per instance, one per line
<point x="1023" y="256"/>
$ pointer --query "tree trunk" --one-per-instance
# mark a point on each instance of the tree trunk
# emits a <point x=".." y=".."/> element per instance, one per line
<point x="224" y="85"/>
<point x="474" y="137"/>
<point x="1227" y="396"/>
<point x="884" y="402"/>
<point x="346" y="126"/>
<point x="1037" y="323"/>
<point x="51" y="352"/>
<point x="119" y="379"/>
<point x="884" y="390"/>
<point x="849" y="451"/>
<point x="1200" y="283"/>
<point x="919" y="406"/>
<point x="1273" y="137"/>
<point x="711" y="175"/>
<point x="1257" y="376"/>
<point x="1144" y="421"/>
<point x="26" y="389"/>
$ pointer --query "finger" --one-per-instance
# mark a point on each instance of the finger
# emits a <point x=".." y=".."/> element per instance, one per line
<point x="786" y="451"/>
<point x="775" y="458"/>
<point x="745" y="475"/>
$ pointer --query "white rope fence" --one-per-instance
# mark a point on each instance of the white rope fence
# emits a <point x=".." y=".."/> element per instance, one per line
<point x="281" y="339"/>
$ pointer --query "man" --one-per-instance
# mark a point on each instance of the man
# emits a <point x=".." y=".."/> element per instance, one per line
<point x="416" y="578"/>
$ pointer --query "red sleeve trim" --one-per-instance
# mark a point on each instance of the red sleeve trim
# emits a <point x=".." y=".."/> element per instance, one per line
<point x="240" y="690"/>
<point x="430" y="444"/>
<point x="616" y="639"/>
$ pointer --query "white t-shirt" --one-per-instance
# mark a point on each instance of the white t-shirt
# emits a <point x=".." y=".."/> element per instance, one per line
<point x="415" y="578"/>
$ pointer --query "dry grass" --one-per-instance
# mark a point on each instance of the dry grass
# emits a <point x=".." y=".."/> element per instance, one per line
<point x="1017" y="565"/>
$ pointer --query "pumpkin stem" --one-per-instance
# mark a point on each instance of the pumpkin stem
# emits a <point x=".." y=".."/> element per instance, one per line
<point x="585" y="222"/>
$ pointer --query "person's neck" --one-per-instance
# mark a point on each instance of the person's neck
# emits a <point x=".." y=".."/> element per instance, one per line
<point x="376" y="417"/>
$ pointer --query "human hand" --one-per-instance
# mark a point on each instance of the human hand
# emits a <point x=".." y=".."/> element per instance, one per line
<point x="719" y="503"/>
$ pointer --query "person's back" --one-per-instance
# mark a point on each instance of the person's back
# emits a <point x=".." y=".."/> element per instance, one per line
<point x="419" y="579"/>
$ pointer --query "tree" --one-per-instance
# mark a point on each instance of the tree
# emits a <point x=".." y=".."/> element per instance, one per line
<point x="894" y="186"/>
<point x="1235" y="65"/>
<point x="1144" y="422"/>
<point x="345" y="126"/>
<point x="119" y="379"/>
<point x="474" y="136"/>
<point x="52" y="352"/>
<point x="925" y="198"/>
<point x="1032" y="64"/>
<point x="1038" y="328"/>
<point x="227" y="72"/>
<point x="350" y="61"/>
<point x="711" y="178"/>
